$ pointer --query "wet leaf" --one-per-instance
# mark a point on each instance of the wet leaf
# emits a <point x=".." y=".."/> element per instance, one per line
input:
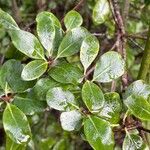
<point x="138" y="106"/>
<point x="34" y="70"/>
<point x="101" y="11"/>
<point x="92" y="96"/>
<point x="98" y="133"/>
<point x="71" y="120"/>
<point x="72" y="41"/>
<point x="107" y="68"/>
<point x="89" y="51"/>
<point x="72" y="20"/>
<point x="16" y="124"/>
<point x="60" y="99"/>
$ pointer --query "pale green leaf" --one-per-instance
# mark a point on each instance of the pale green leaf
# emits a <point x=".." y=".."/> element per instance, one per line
<point x="71" y="120"/>
<point x="109" y="67"/>
<point x="92" y="96"/>
<point x="112" y="107"/>
<point x="98" y="133"/>
<point x="72" y="20"/>
<point x="49" y="31"/>
<point x="27" y="43"/>
<point x="101" y="11"/>
<point x="134" y="142"/>
<point x="34" y="70"/>
<point x="138" y="106"/>
<point x="16" y="124"/>
<point x="89" y="51"/>
<point x="72" y="41"/>
<point x="7" y="21"/>
<point x="60" y="99"/>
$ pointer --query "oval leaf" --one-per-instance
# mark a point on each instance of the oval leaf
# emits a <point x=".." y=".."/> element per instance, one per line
<point x="48" y="26"/>
<point x="138" y="106"/>
<point x="72" y="41"/>
<point x="89" y="51"/>
<point x="71" y="120"/>
<point x="29" y="106"/>
<point x="133" y="142"/>
<point x="101" y="11"/>
<point x="112" y="107"/>
<point x="72" y="20"/>
<point x="107" y="68"/>
<point x="7" y="21"/>
<point x="92" y="96"/>
<point x="138" y="88"/>
<point x="66" y="73"/>
<point x="98" y="133"/>
<point x="34" y="70"/>
<point x="60" y="99"/>
<point x="16" y="124"/>
<point x="10" y="73"/>
<point x="27" y="43"/>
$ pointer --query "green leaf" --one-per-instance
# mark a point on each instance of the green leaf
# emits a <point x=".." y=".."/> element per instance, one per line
<point x="29" y="106"/>
<point x="138" y="87"/>
<point x="89" y="51"/>
<point x="72" y="41"/>
<point x="41" y="87"/>
<point x="112" y="107"/>
<point x="92" y="96"/>
<point x="60" y="99"/>
<point x="101" y="11"/>
<point x="10" y="73"/>
<point x="49" y="31"/>
<point x="16" y="124"/>
<point x="138" y="106"/>
<point x="27" y="43"/>
<point x="72" y="20"/>
<point x="66" y="73"/>
<point x="71" y="120"/>
<point x="134" y="142"/>
<point x="34" y="70"/>
<point x="109" y="67"/>
<point x="7" y="21"/>
<point x="11" y="145"/>
<point x="98" y="133"/>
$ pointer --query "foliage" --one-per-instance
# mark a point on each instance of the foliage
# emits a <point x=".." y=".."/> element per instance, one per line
<point x="55" y="81"/>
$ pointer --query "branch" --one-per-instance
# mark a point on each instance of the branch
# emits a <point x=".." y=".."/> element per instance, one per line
<point x="145" y="64"/>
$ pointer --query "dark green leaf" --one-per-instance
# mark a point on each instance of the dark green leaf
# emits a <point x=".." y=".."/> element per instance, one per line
<point x="7" y="21"/>
<point x="138" y="88"/>
<point x="101" y="11"/>
<point x="98" y="133"/>
<point x="10" y="73"/>
<point x="71" y="120"/>
<point x="134" y="142"/>
<point x="29" y="106"/>
<point x="72" y="41"/>
<point x="16" y="124"/>
<point x="138" y="106"/>
<point x="66" y="73"/>
<point x="109" y="67"/>
<point x="89" y="51"/>
<point x="112" y="107"/>
<point x="34" y="70"/>
<point x="92" y="96"/>
<point x="48" y="27"/>
<point x="27" y="43"/>
<point x="60" y="99"/>
<point x="72" y="20"/>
